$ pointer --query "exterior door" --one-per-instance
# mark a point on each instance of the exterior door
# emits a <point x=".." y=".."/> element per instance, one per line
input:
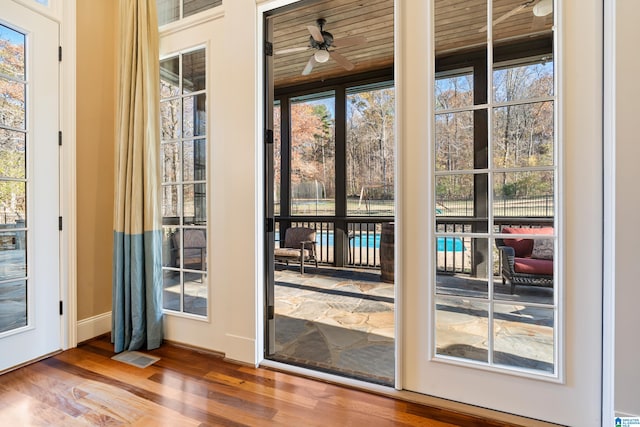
<point x="30" y="322"/>
<point x="509" y="126"/>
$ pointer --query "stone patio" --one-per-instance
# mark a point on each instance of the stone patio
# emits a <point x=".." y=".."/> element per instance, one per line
<point x="342" y="321"/>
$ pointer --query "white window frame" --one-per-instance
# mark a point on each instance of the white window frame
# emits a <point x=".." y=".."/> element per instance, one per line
<point x="558" y="374"/>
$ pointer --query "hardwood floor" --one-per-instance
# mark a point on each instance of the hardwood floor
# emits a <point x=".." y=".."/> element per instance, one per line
<point x="83" y="386"/>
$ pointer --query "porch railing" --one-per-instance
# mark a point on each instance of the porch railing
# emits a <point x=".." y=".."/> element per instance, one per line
<point x="341" y="241"/>
<point x="457" y="254"/>
<point x="355" y="241"/>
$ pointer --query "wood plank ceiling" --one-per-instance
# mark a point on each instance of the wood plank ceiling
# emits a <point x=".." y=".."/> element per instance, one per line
<point x="460" y="24"/>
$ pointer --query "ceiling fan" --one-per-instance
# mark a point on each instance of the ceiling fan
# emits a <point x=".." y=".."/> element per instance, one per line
<point x="321" y="41"/>
<point x="540" y="9"/>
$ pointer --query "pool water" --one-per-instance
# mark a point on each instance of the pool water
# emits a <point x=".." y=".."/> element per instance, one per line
<point x="324" y="238"/>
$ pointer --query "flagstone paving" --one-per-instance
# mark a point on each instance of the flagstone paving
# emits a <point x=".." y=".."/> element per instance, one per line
<point x="342" y="321"/>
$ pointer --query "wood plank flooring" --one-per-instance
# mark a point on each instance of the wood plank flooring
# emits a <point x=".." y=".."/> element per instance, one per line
<point x="83" y="386"/>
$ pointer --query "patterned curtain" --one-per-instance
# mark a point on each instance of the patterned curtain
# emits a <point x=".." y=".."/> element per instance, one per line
<point x="137" y="236"/>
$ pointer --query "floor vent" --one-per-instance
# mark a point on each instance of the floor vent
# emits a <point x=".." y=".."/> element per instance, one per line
<point x="135" y="358"/>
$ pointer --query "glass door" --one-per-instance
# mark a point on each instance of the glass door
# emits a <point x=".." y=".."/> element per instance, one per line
<point x="29" y="198"/>
<point x="500" y="305"/>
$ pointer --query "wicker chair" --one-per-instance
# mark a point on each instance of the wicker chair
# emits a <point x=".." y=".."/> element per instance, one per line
<point x="194" y="251"/>
<point x="299" y="245"/>
<point x="517" y="265"/>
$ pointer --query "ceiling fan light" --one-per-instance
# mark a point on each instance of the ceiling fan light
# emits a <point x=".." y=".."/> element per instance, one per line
<point x="543" y="8"/>
<point x="321" y="56"/>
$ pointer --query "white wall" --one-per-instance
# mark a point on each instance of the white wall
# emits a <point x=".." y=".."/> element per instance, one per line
<point x="233" y="273"/>
<point x="627" y="206"/>
<point x="236" y="181"/>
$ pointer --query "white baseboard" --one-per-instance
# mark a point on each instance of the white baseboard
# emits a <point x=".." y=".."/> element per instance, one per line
<point x="93" y="326"/>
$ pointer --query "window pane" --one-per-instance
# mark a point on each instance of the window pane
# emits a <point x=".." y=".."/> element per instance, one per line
<point x="523" y="82"/>
<point x="195" y="293"/>
<point x="194" y="203"/>
<point x="170" y="204"/>
<point x="172" y="289"/>
<point x="194" y="249"/>
<point x="12" y="102"/>
<point x="169" y="77"/>
<point x="517" y="19"/>
<point x="12" y="53"/>
<point x="466" y="27"/>
<point x="453" y="260"/>
<point x="523" y="194"/>
<point x="12" y="154"/>
<point x="170" y="160"/>
<point x="454" y="141"/>
<point x="194" y="155"/>
<point x="170" y="247"/>
<point x="454" y="195"/>
<point x="12" y="203"/>
<point x="13" y="305"/>
<point x="13" y="255"/>
<point x="312" y="157"/>
<point x="454" y="92"/>
<point x="462" y="328"/>
<point x="524" y="336"/>
<point x="168" y="11"/>
<point x="170" y="119"/>
<point x="191" y="7"/>
<point x="370" y="152"/>
<point x="523" y="135"/>
<point x="525" y="268"/>
<point x="194" y="115"/>
<point x="193" y="71"/>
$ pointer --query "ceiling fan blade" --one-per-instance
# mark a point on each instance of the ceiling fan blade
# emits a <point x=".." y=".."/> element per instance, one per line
<point x="349" y="41"/>
<point x="508" y="14"/>
<point x="315" y="33"/>
<point x="342" y="60"/>
<point x="292" y="50"/>
<point x="309" y="66"/>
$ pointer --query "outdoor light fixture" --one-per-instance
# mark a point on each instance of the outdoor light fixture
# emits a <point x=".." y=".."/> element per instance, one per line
<point x="321" y="56"/>
<point x="543" y="8"/>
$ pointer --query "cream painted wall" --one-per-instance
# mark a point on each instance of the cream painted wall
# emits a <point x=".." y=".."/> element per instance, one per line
<point x="627" y="176"/>
<point x="96" y="26"/>
<point x="232" y="207"/>
<point x="234" y="180"/>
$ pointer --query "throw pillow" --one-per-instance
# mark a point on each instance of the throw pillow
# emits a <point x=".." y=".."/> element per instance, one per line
<point x="542" y="249"/>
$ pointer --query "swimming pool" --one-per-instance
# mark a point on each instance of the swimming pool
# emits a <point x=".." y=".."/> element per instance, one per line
<point x="325" y="238"/>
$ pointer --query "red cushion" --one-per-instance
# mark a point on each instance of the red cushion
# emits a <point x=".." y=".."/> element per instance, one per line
<point x="524" y="247"/>
<point x="533" y="266"/>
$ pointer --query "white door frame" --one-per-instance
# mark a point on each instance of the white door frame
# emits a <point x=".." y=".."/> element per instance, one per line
<point x="68" y="203"/>
<point x="50" y="13"/>
<point x="580" y="80"/>
<point x="64" y="13"/>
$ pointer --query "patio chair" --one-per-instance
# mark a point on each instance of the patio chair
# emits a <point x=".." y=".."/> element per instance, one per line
<point x="520" y="265"/>
<point x="299" y="245"/>
<point x="194" y="250"/>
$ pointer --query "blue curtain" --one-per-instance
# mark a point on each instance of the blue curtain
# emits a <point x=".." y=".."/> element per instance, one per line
<point x="137" y="236"/>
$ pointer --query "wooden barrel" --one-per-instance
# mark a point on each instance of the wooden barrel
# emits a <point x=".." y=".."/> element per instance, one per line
<point x="386" y="252"/>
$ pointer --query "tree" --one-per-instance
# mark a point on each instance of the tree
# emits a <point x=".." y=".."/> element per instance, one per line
<point x="370" y="143"/>
<point x="12" y="124"/>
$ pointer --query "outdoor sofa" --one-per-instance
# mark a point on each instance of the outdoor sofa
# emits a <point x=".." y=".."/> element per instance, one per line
<point x="526" y="261"/>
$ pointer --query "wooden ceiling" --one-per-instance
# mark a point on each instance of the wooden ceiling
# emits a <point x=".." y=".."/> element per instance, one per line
<point x="459" y="24"/>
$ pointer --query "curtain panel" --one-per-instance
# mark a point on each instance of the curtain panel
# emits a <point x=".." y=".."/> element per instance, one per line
<point x="137" y="250"/>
